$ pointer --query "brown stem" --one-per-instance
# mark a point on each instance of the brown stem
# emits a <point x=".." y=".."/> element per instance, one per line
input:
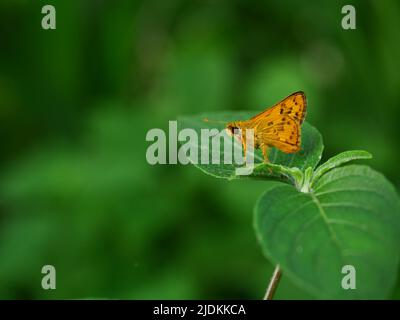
<point x="273" y="283"/>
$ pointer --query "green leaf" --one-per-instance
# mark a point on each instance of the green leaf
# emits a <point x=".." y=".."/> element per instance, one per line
<point x="338" y="160"/>
<point x="308" y="156"/>
<point x="294" y="175"/>
<point x="352" y="217"/>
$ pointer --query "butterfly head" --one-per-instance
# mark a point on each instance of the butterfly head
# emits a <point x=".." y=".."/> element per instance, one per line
<point x="232" y="129"/>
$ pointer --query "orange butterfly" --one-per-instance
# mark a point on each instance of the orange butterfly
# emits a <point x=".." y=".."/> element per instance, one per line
<point x="278" y="126"/>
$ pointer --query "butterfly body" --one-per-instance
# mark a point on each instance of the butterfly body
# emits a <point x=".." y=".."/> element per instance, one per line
<point x="278" y="126"/>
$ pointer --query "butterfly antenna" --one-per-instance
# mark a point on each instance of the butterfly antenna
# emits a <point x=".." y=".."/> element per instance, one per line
<point x="213" y="121"/>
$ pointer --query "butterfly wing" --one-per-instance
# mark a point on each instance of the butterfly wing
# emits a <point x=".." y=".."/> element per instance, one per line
<point x="279" y="126"/>
<point x="285" y="136"/>
<point x="294" y="105"/>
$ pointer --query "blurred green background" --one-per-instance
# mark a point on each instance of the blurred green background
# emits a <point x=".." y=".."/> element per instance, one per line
<point x="76" y="103"/>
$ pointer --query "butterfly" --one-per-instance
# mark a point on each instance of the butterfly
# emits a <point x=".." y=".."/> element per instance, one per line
<point x="278" y="126"/>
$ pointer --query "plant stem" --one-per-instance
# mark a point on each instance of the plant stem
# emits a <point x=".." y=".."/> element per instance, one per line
<point x="273" y="283"/>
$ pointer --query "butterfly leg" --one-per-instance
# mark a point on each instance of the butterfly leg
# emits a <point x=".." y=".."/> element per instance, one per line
<point x="244" y="150"/>
<point x="264" y="152"/>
